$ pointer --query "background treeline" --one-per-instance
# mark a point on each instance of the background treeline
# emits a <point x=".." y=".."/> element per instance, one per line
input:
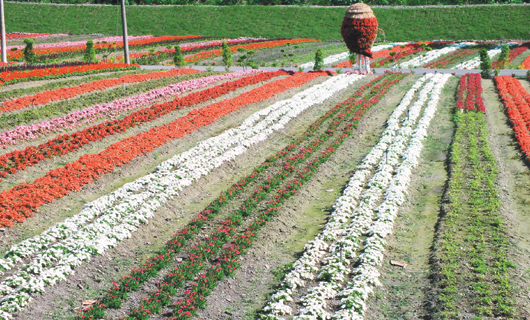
<point x="286" y="2"/>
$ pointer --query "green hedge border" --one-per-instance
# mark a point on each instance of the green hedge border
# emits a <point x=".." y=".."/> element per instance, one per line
<point x="400" y="24"/>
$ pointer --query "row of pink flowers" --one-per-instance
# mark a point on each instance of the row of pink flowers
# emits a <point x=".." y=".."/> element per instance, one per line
<point x="114" y="108"/>
<point x="78" y="43"/>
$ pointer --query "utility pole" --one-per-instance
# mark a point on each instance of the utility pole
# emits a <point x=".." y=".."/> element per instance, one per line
<point x="3" y="31"/>
<point x="124" y="23"/>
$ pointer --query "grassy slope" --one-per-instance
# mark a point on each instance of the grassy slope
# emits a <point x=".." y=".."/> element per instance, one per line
<point x="271" y="21"/>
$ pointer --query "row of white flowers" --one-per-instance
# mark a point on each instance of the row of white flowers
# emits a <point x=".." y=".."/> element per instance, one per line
<point x="366" y="275"/>
<point x="433" y="55"/>
<point x="112" y="218"/>
<point x="475" y="62"/>
<point x="332" y="240"/>
<point x="344" y="55"/>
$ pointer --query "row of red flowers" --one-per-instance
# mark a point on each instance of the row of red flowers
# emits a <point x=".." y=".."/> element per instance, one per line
<point x="387" y="54"/>
<point x="516" y="100"/>
<point x="19" y="54"/>
<point x="70" y="92"/>
<point x="18" y="160"/>
<point x="469" y="94"/>
<point x="201" y="252"/>
<point x="451" y="58"/>
<point x="268" y="44"/>
<point x="21" y="201"/>
<point x="514" y="53"/>
<point x="8" y="77"/>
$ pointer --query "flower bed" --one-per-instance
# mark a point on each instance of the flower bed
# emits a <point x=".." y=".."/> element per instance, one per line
<point x="475" y="62"/>
<point x="514" y="53"/>
<point x="71" y="92"/>
<point x="20" y="202"/>
<point x="9" y="77"/>
<point x="470" y="93"/>
<point x="124" y="209"/>
<point x="451" y="58"/>
<point x="516" y="100"/>
<point x="433" y="55"/>
<point x="328" y="257"/>
<point x="18" y="160"/>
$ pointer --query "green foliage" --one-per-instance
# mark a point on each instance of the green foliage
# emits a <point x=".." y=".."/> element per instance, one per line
<point x="227" y="56"/>
<point x="179" y="57"/>
<point x="352" y="57"/>
<point x="485" y="64"/>
<point x="410" y="24"/>
<point x="29" y="53"/>
<point x="504" y="57"/>
<point x="90" y="52"/>
<point x="319" y="60"/>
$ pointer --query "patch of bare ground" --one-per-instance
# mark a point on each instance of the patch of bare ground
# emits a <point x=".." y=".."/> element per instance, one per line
<point x="91" y="280"/>
<point x="299" y="220"/>
<point x="513" y="185"/>
<point x="61" y="209"/>
<point x="405" y="292"/>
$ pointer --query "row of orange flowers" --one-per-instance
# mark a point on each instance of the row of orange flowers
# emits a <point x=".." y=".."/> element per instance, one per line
<point x="20" y="202"/>
<point x="268" y="44"/>
<point x="19" y="54"/>
<point x="71" y="92"/>
<point x="516" y="100"/>
<point x="8" y="77"/>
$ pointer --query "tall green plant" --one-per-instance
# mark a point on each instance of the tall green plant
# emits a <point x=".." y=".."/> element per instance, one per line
<point x="485" y="64"/>
<point x="227" y="56"/>
<point x="90" y="52"/>
<point x="352" y="57"/>
<point x="319" y="60"/>
<point x="504" y="57"/>
<point x="29" y="53"/>
<point x="179" y="57"/>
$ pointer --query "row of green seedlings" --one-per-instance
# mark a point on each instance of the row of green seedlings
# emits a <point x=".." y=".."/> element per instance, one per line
<point x="164" y="257"/>
<point x="472" y="215"/>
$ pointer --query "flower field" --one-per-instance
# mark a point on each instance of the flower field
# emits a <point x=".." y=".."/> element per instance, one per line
<point x="139" y="193"/>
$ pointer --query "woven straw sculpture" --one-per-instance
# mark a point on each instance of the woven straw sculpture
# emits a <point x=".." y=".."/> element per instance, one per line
<point x="359" y="29"/>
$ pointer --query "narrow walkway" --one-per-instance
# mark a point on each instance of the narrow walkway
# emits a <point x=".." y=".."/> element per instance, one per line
<point x="419" y="71"/>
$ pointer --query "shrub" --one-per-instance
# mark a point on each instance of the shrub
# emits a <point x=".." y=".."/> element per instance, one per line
<point x="319" y="60"/>
<point x="29" y="53"/>
<point x="485" y="64"/>
<point x="179" y="57"/>
<point x="90" y="52"/>
<point x="504" y="57"/>
<point x="227" y="56"/>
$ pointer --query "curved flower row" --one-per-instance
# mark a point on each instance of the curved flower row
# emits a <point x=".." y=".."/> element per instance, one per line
<point x="451" y="58"/>
<point x="67" y="50"/>
<point x="64" y="93"/>
<point x="77" y="43"/>
<point x="139" y="200"/>
<point x="11" y="36"/>
<point x="378" y="52"/>
<point x="199" y="46"/>
<point x="514" y="53"/>
<point x="78" y="118"/>
<point x="335" y="239"/>
<point x="516" y="100"/>
<point x="365" y="274"/>
<point x="526" y="63"/>
<point x="345" y="55"/>
<point x="18" y="160"/>
<point x="268" y="44"/>
<point x="475" y="62"/>
<point x="21" y="201"/>
<point x="8" y="77"/>
<point x="433" y="55"/>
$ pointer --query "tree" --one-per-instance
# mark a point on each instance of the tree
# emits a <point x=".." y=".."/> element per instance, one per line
<point x="352" y="57"/>
<point x="29" y="53"/>
<point x="485" y="64"/>
<point x="319" y="60"/>
<point x="227" y="56"/>
<point x="504" y="57"/>
<point x="90" y="52"/>
<point x="179" y="57"/>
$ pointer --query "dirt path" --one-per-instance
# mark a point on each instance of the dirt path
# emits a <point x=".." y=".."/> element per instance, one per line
<point x="513" y="185"/>
<point x="405" y="293"/>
